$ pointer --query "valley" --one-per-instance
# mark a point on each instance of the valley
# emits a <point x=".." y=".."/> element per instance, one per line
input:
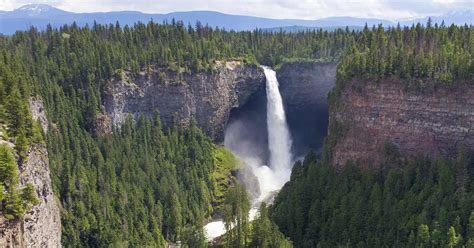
<point x="173" y="135"/>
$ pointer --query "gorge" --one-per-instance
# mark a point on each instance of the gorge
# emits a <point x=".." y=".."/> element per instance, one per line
<point x="155" y="130"/>
<point x="268" y="179"/>
<point x="304" y="87"/>
<point x="232" y="91"/>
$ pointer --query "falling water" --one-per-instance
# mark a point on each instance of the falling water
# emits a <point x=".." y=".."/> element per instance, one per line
<point x="279" y="141"/>
<point x="270" y="178"/>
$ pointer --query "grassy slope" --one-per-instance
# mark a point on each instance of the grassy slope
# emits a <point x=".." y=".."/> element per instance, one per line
<point x="223" y="179"/>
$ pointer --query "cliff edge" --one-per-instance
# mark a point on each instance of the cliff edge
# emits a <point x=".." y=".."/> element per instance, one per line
<point x="372" y="120"/>
<point x="207" y="97"/>
<point x="41" y="226"/>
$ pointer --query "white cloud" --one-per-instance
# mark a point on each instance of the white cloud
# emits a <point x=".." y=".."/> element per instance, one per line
<point x="300" y="9"/>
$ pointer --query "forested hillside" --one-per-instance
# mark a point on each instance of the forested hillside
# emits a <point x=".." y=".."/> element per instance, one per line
<point x="422" y="55"/>
<point x="17" y="132"/>
<point x="407" y="202"/>
<point x="144" y="184"/>
<point x="425" y="204"/>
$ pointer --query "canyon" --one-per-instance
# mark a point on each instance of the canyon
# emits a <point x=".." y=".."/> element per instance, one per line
<point x="363" y="122"/>
<point x="365" y="119"/>
<point x="211" y="98"/>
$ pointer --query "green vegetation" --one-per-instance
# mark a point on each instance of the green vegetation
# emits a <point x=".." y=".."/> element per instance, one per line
<point x="424" y="204"/>
<point x="408" y="203"/>
<point x="235" y="214"/>
<point x="420" y="56"/>
<point x="18" y="130"/>
<point x="14" y="202"/>
<point x="265" y="233"/>
<point x="16" y="124"/>
<point x="137" y="187"/>
<point x="145" y="184"/>
<point x="439" y="54"/>
<point x="241" y="233"/>
<point x="222" y="177"/>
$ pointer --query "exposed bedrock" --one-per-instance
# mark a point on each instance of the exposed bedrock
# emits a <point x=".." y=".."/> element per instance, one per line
<point x="304" y="88"/>
<point x="370" y="119"/>
<point x="206" y="97"/>
<point x="41" y="226"/>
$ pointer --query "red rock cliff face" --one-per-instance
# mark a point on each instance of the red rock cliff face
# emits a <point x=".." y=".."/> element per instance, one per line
<point x="373" y="115"/>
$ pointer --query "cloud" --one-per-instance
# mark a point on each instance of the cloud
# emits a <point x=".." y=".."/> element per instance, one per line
<point x="300" y="9"/>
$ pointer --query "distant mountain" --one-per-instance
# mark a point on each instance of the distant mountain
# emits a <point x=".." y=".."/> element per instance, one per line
<point x="35" y="11"/>
<point x="39" y="15"/>
<point x="452" y="17"/>
<point x="294" y="29"/>
<point x="343" y="21"/>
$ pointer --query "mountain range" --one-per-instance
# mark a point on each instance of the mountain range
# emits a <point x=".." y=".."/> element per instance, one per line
<point x="39" y="15"/>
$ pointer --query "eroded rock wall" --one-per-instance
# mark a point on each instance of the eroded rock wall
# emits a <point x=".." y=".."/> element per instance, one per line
<point x="207" y="97"/>
<point x="369" y="117"/>
<point x="304" y="87"/>
<point x="41" y="226"/>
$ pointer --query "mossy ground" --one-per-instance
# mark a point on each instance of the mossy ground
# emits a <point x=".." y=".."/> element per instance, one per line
<point x="223" y="178"/>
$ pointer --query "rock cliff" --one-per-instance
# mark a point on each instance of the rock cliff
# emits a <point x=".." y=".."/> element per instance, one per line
<point x="41" y="226"/>
<point x="304" y="87"/>
<point x="370" y="119"/>
<point x="206" y="97"/>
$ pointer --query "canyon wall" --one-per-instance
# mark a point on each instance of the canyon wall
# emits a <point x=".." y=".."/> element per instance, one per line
<point x="370" y="121"/>
<point x="41" y="226"/>
<point x="304" y="87"/>
<point x="206" y="97"/>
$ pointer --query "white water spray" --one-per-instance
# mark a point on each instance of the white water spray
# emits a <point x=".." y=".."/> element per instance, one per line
<point x="270" y="178"/>
<point x="279" y="141"/>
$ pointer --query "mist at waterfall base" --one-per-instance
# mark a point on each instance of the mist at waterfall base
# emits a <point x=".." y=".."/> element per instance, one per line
<point x="259" y="139"/>
<point x="271" y="168"/>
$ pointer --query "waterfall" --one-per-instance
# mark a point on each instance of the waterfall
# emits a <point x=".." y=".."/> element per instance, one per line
<point x="270" y="178"/>
<point x="279" y="141"/>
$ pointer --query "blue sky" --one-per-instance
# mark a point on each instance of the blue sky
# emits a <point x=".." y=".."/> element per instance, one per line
<point x="300" y="9"/>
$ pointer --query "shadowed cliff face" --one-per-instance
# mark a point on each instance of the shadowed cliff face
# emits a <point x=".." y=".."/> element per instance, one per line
<point x="233" y="93"/>
<point x="206" y="97"/>
<point x="250" y="121"/>
<point x="304" y="88"/>
<point x="374" y="119"/>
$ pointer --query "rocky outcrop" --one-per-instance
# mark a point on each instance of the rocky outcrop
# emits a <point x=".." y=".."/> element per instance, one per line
<point x="11" y="233"/>
<point x="369" y="119"/>
<point x="206" y="97"/>
<point x="304" y="87"/>
<point x="41" y="226"/>
<point x="38" y="114"/>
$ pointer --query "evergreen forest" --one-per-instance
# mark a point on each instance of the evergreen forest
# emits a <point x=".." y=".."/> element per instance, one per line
<point x="147" y="185"/>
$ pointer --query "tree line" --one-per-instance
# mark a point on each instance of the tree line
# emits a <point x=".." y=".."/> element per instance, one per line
<point x="422" y="54"/>
<point x="418" y="203"/>
<point x="146" y="184"/>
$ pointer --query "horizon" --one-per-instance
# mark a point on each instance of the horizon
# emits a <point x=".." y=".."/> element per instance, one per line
<point x="237" y="123"/>
<point x="392" y="11"/>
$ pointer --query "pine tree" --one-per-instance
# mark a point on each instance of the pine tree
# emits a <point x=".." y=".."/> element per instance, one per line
<point x="453" y="238"/>
<point x="423" y="236"/>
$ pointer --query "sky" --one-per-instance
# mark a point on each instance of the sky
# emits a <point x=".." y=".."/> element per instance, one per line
<point x="280" y="9"/>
